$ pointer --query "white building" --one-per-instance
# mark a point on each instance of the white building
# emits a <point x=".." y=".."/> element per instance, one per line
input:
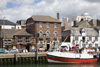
<point x="70" y="20"/>
<point x="84" y="37"/>
<point x="6" y="24"/>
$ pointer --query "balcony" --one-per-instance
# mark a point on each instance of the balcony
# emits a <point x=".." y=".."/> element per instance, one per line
<point x="27" y="40"/>
<point x="19" y="41"/>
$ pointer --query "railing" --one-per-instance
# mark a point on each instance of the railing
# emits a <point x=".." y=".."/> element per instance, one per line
<point x="27" y="40"/>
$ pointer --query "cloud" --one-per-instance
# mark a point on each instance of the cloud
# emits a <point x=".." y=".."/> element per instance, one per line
<point x="93" y="1"/>
<point x="3" y="4"/>
<point x="66" y="8"/>
<point x="22" y="2"/>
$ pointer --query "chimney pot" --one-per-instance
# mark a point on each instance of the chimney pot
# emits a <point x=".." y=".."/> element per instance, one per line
<point x="58" y="15"/>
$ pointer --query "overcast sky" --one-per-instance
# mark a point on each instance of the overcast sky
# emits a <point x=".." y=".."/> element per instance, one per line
<point x="15" y="10"/>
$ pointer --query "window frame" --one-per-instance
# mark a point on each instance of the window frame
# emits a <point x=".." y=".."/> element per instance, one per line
<point x="41" y="44"/>
<point x="55" y="34"/>
<point x="40" y="24"/>
<point x="47" y="25"/>
<point x="48" y="35"/>
<point x="40" y="34"/>
<point x="55" y="25"/>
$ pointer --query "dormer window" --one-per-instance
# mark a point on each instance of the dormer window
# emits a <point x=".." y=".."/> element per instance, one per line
<point x="83" y="31"/>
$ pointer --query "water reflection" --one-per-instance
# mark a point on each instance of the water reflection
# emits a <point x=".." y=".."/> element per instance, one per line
<point x="74" y="65"/>
<point x="54" y="65"/>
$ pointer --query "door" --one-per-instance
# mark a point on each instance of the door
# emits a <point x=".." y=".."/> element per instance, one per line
<point x="27" y="47"/>
<point x="48" y="46"/>
<point x="83" y="39"/>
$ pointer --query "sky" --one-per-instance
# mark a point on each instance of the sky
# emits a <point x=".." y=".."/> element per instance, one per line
<point x="14" y="10"/>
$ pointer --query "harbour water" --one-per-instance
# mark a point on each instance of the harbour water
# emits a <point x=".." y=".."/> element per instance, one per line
<point x="54" y="65"/>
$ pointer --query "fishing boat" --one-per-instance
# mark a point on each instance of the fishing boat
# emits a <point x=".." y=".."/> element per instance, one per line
<point x="71" y="57"/>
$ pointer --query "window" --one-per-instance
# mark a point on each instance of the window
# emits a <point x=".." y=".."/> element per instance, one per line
<point x="40" y="24"/>
<point x="83" y="31"/>
<point x="55" y="34"/>
<point x="76" y="37"/>
<point x="55" y="25"/>
<point x="48" y="34"/>
<point x="19" y="38"/>
<point x="40" y="34"/>
<point x="41" y="44"/>
<point x="84" y="18"/>
<point x="9" y="41"/>
<point x="88" y="19"/>
<point x="47" y="25"/>
<point x="90" y="38"/>
<point x="27" y="37"/>
<point x="96" y="38"/>
<point x="5" y="41"/>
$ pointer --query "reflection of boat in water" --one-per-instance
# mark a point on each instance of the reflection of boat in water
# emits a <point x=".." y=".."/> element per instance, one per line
<point x="74" y="65"/>
<point x="70" y="57"/>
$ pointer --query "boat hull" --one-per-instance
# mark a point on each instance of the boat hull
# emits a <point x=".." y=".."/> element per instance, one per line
<point x="57" y="59"/>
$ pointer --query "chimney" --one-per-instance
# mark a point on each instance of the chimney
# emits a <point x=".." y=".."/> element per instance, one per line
<point x="75" y="22"/>
<point x="58" y="15"/>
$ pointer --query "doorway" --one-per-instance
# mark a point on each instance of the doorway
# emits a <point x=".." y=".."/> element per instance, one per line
<point x="48" y="46"/>
<point x="27" y="47"/>
<point x="83" y="39"/>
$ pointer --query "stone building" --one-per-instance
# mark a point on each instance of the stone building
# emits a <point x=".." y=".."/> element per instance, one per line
<point x="46" y="30"/>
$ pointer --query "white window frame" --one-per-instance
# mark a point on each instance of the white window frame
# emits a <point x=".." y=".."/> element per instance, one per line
<point x="47" y="25"/>
<point x="55" y="34"/>
<point x="55" y="25"/>
<point x="40" y="24"/>
<point x="48" y="35"/>
<point x="40" y="34"/>
<point x="41" y="44"/>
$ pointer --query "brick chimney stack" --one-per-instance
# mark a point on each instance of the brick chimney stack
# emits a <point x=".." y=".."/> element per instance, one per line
<point x="75" y="22"/>
<point x="58" y="15"/>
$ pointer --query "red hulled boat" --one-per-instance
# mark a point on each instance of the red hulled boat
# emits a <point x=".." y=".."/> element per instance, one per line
<point x="69" y="57"/>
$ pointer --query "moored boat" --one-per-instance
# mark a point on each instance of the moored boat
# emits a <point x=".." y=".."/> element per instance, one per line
<point x="70" y="57"/>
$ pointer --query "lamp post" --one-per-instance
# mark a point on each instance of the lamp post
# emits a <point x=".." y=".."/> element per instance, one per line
<point x="4" y="32"/>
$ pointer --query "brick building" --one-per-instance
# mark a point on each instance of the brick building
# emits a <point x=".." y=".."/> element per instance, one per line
<point x="15" y="37"/>
<point x="46" y="29"/>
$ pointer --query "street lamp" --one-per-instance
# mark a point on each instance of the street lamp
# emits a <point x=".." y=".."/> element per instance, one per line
<point x="4" y="32"/>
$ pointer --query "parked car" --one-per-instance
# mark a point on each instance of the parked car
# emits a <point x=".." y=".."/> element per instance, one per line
<point x="2" y="50"/>
<point x="12" y="51"/>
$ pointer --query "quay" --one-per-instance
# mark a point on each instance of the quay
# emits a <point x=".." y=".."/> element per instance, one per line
<point x="22" y="58"/>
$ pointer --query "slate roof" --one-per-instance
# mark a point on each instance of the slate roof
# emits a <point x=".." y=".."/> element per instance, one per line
<point x="44" y="18"/>
<point x="11" y="32"/>
<point x="91" y="32"/>
<point x="83" y="24"/>
<point x="97" y="28"/>
<point x="7" y="22"/>
<point x="76" y="31"/>
<point x="65" y="33"/>
<point x="22" y="32"/>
